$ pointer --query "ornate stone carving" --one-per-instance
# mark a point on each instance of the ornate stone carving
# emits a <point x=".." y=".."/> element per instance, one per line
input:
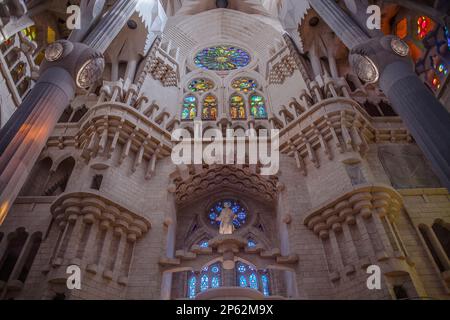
<point x="238" y="179"/>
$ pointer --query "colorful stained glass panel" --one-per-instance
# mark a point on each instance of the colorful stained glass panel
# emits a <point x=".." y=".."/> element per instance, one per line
<point x="209" y="108"/>
<point x="201" y="85"/>
<point x="258" y="107"/>
<point x="238" y="209"/>
<point x="237" y="108"/>
<point x="189" y="108"/>
<point x="222" y="58"/>
<point x="244" y="85"/>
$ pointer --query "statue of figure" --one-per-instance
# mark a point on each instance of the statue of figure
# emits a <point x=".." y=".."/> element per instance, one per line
<point x="226" y="218"/>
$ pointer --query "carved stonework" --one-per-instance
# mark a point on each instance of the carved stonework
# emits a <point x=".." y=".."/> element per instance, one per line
<point x="237" y="179"/>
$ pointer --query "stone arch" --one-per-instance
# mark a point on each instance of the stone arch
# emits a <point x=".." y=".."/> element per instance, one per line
<point x="16" y="242"/>
<point x="60" y="177"/>
<point x="38" y="178"/>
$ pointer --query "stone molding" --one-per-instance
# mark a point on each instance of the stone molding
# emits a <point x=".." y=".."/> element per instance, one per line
<point x="364" y="200"/>
<point x="97" y="207"/>
<point x="238" y="179"/>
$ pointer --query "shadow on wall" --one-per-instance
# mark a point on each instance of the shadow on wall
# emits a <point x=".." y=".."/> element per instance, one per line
<point x="45" y="182"/>
<point x="407" y="167"/>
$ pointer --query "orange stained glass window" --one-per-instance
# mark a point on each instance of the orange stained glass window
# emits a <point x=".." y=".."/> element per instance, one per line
<point x="402" y="28"/>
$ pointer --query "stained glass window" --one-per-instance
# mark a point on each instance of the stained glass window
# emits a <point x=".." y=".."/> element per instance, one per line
<point x="204" y="282"/>
<point x="258" y="107"/>
<point x="215" y="282"/>
<point x="201" y="85"/>
<point x="436" y="83"/>
<point x="208" y="277"/>
<point x="253" y="281"/>
<point x="251" y="243"/>
<point x="209" y="111"/>
<point x="204" y="244"/>
<point x="237" y="107"/>
<point x="189" y="108"/>
<point x="424" y="26"/>
<point x="192" y="287"/>
<point x="244" y="85"/>
<point x="265" y="285"/>
<point x="249" y="277"/>
<point x="238" y="209"/>
<point x="243" y="281"/>
<point x="442" y="68"/>
<point x="447" y="35"/>
<point x="222" y="58"/>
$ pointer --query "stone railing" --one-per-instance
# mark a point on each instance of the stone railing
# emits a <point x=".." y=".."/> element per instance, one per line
<point x="107" y="125"/>
<point x="96" y="234"/>
<point x="336" y="126"/>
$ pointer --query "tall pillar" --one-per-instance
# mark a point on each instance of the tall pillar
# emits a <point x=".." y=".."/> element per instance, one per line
<point x="424" y="116"/>
<point x="25" y="135"/>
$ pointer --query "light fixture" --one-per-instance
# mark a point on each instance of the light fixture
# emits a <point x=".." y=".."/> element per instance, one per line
<point x="54" y="51"/>
<point x="400" y="47"/>
<point x="365" y="68"/>
<point x="90" y="72"/>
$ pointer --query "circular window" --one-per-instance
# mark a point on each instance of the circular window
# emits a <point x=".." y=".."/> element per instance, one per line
<point x="222" y="58"/>
<point x="238" y="209"/>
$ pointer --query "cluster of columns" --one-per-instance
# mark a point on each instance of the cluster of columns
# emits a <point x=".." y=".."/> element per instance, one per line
<point x="425" y="117"/>
<point x="26" y="133"/>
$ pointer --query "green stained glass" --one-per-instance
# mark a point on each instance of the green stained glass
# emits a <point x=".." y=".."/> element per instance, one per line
<point x="222" y="58"/>
<point x="189" y="108"/>
<point x="244" y="85"/>
<point x="258" y="107"/>
<point x="201" y="85"/>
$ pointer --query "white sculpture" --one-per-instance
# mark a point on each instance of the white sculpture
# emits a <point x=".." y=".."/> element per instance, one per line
<point x="226" y="218"/>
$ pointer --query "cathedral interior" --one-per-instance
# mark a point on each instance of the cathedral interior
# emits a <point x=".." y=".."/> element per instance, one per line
<point x="92" y="93"/>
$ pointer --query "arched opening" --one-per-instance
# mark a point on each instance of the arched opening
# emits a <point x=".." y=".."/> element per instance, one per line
<point x="424" y="231"/>
<point x="443" y="234"/>
<point x="35" y="185"/>
<point x="33" y="248"/>
<point x="15" y="245"/>
<point x="58" y="180"/>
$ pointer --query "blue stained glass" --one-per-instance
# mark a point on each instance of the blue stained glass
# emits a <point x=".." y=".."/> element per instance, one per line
<point x="215" y="282"/>
<point x="192" y="288"/>
<point x="251" y="243"/>
<point x="253" y="281"/>
<point x="258" y="107"/>
<point x="242" y="268"/>
<point x="242" y="215"/>
<point x="236" y="207"/>
<point x="204" y="244"/>
<point x="189" y="108"/>
<point x="243" y="281"/>
<point x="204" y="283"/>
<point x="265" y="285"/>
<point x="215" y="269"/>
<point x="447" y="35"/>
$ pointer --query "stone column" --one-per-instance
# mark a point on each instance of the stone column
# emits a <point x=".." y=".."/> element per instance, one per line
<point x="424" y="116"/>
<point x="26" y="134"/>
<point x="111" y="24"/>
